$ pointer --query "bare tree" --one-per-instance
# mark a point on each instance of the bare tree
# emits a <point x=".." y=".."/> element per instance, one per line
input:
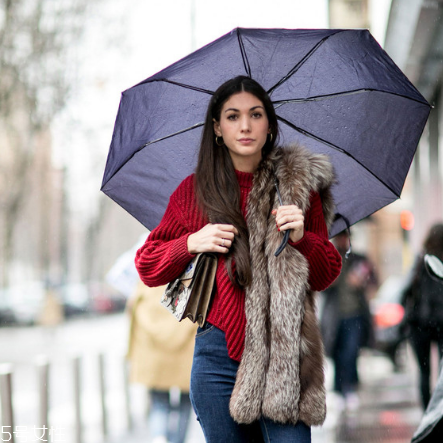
<point x="35" y="41"/>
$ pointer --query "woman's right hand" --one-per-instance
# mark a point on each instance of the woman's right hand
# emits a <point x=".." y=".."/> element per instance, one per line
<point x="212" y="238"/>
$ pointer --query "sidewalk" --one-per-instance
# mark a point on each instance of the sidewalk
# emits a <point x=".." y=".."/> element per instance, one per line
<point x="388" y="412"/>
<point x="140" y="434"/>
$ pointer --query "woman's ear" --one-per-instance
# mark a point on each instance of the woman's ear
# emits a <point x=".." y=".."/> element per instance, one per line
<point x="216" y="126"/>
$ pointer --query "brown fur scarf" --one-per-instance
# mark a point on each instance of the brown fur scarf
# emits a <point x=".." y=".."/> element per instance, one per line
<point x="281" y="374"/>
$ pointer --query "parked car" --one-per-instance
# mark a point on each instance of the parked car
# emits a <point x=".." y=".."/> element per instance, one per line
<point x="7" y="316"/>
<point x="22" y="303"/>
<point x="388" y="314"/>
<point x="75" y="299"/>
<point x="105" y="299"/>
<point x="106" y="303"/>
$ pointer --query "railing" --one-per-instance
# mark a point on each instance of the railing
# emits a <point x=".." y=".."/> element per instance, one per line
<point x="6" y="402"/>
<point x="11" y="433"/>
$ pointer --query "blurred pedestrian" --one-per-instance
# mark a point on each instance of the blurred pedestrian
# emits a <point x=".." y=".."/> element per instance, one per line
<point x="430" y="429"/>
<point x="258" y="364"/>
<point x="160" y="355"/>
<point x="346" y="320"/>
<point x="423" y="301"/>
<point x="51" y="314"/>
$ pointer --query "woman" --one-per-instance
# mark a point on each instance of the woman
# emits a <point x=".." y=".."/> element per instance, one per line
<point x="258" y="365"/>
<point x="423" y="300"/>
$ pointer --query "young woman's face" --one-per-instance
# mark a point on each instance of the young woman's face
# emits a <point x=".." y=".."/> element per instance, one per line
<point x="244" y="127"/>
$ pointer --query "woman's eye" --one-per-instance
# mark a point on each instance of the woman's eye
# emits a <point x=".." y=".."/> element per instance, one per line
<point x="232" y="117"/>
<point x="256" y="114"/>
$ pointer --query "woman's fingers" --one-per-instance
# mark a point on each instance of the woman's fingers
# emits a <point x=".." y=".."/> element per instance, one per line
<point x="225" y="235"/>
<point x="229" y="230"/>
<point x="289" y="217"/>
<point x="212" y="238"/>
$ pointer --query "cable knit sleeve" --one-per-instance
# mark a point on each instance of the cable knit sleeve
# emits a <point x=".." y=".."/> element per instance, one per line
<point x="165" y="255"/>
<point x="324" y="260"/>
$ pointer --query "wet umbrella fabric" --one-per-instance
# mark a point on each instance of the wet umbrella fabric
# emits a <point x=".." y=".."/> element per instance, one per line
<point x="334" y="91"/>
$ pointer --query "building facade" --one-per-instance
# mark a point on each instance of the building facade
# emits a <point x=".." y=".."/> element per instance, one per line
<point x="414" y="40"/>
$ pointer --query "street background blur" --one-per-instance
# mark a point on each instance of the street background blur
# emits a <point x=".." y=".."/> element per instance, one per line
<point x="63" y="66"/>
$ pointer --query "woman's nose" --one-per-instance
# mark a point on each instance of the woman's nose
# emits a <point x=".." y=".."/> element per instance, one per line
<point x="245" y="124"/>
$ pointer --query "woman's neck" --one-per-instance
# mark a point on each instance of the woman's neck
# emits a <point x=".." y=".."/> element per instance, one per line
<point x="244" y="178"/>
<point x="246" y="164"/>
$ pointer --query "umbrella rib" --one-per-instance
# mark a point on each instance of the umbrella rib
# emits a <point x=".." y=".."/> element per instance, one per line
<point x="197" y="125"/>
<point x="342" y="94"/>
<point x="243" y="53"/>
<point x="182" y="85"/>
<point x="300" y="63"/>
<point x="150" y="143"/>
<point x="309" y="134"/>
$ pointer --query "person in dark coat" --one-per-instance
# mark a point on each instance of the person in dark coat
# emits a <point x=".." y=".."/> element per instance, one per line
<point x="430" y="429"/>
<point x="423" y="301"/>
<point x="346" y="321"/>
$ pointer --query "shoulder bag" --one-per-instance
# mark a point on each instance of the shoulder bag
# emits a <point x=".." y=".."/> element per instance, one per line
<point x="189" y="295"/>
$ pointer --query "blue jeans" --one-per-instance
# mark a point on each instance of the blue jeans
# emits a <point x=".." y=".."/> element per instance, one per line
<point x="212" y="381"/>
<point x="167" y="419"/>
<point x="346" y="353"/>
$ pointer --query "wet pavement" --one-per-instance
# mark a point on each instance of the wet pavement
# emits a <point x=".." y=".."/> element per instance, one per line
<point x="388" y="410"/>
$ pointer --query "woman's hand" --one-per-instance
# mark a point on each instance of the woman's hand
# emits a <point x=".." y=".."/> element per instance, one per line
<point x="212" y="238"/>
<point x="290" y="217"/>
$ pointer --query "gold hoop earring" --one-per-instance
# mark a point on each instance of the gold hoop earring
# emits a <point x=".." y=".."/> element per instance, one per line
<point x="217" y="140"/>
<point x="270" y="137"/>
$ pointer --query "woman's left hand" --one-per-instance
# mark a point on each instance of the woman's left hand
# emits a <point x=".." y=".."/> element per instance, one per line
<point x="290" y="217"/>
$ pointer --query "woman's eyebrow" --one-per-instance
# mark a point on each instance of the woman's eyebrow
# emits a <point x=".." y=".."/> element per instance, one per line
<point x="252" y="109"/>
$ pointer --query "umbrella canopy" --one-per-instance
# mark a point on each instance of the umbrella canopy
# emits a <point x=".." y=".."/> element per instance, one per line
<point x="335" y="91"/>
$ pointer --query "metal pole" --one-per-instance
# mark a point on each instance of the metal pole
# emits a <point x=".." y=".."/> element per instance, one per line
<point x="101" y="366"/>
<point x="174" y="403"/>
<point x="43" y="382"/>
<point x="77" y="399"/>
<point x="127" y="395"/>
<point x="6" y="402"/>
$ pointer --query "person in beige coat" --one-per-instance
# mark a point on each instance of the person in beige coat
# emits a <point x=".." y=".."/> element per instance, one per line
<point x="160" y="355"/>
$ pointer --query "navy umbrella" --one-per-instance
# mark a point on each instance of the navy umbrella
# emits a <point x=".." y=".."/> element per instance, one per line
<point x="335" y="91"/>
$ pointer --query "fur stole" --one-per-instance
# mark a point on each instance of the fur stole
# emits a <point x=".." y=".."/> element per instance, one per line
<point x="281" y="373"/>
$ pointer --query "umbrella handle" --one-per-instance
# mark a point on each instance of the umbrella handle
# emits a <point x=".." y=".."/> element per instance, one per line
<point x="287" y="233"/>
<point x="283" y="243"/>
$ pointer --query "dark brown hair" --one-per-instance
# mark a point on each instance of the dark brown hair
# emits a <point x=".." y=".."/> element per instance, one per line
<point x="434" y="241"/>
<point x="216" y="185"/>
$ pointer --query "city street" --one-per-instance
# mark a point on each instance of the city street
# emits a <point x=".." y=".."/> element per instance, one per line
<point x="102" y="117"/>
<point x="388" y="410"/>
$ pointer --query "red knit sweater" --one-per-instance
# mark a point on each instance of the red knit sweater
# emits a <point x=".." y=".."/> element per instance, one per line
<point x="165" y="255"/>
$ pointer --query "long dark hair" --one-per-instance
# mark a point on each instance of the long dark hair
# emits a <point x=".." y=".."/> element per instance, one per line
<point x="434" y="241"/>
<point x="433" y="244"/>
<point x="216" y="185"/>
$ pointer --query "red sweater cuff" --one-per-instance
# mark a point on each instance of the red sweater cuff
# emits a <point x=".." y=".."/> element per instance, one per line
<point x="305" y="244"/>
<point x="179" y="253"/>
